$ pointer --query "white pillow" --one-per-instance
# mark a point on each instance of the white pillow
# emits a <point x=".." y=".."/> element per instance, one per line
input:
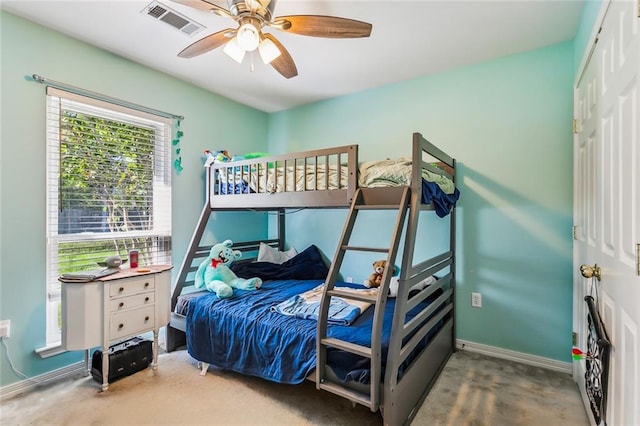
<point x="269" y="254"/>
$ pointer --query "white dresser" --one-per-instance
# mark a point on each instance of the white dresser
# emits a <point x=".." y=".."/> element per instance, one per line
<point x="114" y="308"/>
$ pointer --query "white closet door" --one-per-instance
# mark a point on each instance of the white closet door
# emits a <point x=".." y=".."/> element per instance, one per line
<point x="607" y="204"/>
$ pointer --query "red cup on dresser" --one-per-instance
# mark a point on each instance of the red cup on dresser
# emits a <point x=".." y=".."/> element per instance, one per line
<point x="133" y="258"/>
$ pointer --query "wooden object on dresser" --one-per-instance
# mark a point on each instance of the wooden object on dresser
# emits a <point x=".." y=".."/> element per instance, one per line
<point x="114" y="308"/>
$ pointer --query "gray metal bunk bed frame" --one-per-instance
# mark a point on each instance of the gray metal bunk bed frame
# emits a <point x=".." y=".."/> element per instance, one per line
<point x="400" y="392"/>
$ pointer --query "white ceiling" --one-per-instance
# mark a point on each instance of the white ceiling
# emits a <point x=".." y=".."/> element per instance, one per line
<point x="409" y="39"/>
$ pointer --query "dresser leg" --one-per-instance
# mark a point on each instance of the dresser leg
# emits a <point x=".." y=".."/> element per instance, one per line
<point x="105" y="368"/>
<point x="154" y="364"/>
<point x="87" y="367"/>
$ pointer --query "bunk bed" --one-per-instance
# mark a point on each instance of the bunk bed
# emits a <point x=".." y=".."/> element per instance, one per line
<point x="391" y="355"/>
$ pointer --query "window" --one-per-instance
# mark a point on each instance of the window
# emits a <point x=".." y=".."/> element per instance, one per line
<point x="108" y="189"/>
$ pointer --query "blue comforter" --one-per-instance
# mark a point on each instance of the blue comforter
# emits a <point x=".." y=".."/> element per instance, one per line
<point x="243" y="334"/>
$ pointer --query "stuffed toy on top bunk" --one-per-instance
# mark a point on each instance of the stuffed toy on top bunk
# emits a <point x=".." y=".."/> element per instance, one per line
<point x="214" y="274"/>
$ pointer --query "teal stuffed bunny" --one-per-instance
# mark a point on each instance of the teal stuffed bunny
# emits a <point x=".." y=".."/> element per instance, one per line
<point x="214" y="273"/>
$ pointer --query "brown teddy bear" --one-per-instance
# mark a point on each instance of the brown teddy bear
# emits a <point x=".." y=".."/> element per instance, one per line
<point x="375" y="279"/>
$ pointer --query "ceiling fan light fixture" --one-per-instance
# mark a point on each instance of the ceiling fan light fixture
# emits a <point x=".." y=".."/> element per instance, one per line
<point x="248" y="37"/>
<point x="268" y="51"/>
<point x="234" y="50"/>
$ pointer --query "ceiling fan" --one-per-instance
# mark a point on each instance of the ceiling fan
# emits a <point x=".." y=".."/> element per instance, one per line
<point x="252" y="17"/>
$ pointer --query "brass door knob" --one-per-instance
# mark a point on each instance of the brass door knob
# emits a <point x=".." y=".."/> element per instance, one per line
<point x="590" y="271"/>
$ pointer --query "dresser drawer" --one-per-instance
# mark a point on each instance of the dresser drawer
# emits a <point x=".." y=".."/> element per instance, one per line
<point x="131" y="286"/>
<point x="129" y="302"/>
<point x="126" y="323"/>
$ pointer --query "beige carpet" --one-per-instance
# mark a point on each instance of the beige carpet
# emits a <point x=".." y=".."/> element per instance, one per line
<point x="478" y="390"/>
<point x="473" y="390"/>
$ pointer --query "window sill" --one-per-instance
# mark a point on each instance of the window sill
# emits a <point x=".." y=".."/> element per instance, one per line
<point x="51" y="350"/>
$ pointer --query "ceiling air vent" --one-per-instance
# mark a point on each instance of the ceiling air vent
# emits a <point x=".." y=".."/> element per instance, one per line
<point x="177" y="20"/>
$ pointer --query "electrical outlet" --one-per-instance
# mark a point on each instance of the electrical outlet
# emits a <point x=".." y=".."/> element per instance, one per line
<point x="5" y="329"/>
<point x="476" y="300"/>
<point x="349" y="279"/>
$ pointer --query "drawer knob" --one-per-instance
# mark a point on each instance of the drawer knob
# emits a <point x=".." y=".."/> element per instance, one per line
<point x="121" y="289"/>
<point x="146" y="319"/>
<point x="121" y="304"/>
<point x="146" y="299"/>
<point x="146" y="285"/>
<point x="121" y="326"/>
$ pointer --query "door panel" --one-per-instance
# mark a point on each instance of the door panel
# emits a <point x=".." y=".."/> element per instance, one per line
<point x="608" y="190"/>
<point x="629" y="172"/>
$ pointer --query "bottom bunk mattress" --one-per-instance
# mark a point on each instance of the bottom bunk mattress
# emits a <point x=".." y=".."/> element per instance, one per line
<point x="244" y="334"/>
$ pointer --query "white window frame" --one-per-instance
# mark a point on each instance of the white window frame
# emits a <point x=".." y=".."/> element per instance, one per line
<point x="56" y="101"/>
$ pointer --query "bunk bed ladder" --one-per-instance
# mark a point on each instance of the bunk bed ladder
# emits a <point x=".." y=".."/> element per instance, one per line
<point x="364" y="199"/>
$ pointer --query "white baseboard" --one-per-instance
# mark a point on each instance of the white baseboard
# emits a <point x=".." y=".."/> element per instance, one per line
<point x="536" y="361"/>
<point x="26" y="385"/>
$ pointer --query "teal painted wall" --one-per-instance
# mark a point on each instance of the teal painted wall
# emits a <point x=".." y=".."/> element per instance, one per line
<point x="507" y="122"/>
<point x="210" y="121"/>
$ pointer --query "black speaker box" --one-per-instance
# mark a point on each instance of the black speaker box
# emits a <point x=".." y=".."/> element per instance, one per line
<point x="125" y="358"/>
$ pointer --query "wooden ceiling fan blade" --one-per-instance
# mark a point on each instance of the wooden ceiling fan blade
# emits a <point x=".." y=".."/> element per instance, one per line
<point x="324" y="26"/>
<point x="284" y="63"/>
<point x="206" y="6"/>
<point x="206" y="44"/>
